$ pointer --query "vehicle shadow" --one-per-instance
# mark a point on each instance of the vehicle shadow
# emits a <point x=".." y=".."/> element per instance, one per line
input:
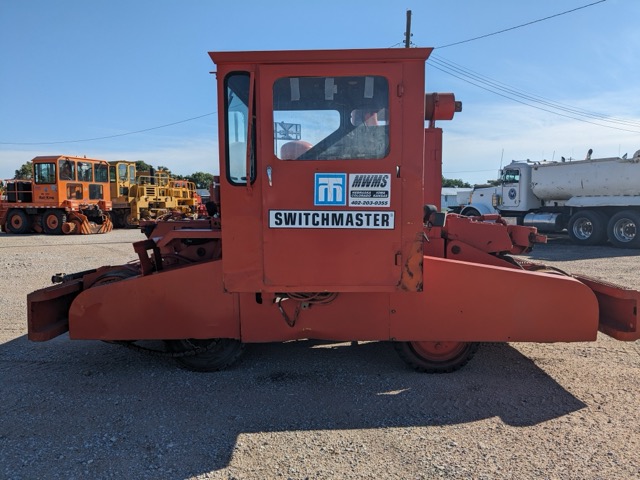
<point x="560" y="248"/>
<point x="79" y="408"/>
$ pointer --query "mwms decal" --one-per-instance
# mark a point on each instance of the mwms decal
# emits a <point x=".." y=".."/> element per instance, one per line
<point x="369" y="190"/>
<point x="340" y="219"/>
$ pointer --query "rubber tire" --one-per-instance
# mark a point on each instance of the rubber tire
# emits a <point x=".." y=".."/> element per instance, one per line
<point x="223" y="355"/>
<point x="21" y="218"/>
<point x="58" y="217"/>
<point x="598" y="222"/>
<point x="455" y="356"/>
<point x="631" y="217"/>
<point x="470" y="212"/>
<point x="129" y="222"/>
<point x="112" y="276"/>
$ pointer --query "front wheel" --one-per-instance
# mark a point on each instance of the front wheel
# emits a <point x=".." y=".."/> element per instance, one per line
<point x="208" y="355"/>
<point x="436" y="357"/>
<point x="623" y="229"/>
<point x="470" y="212"/>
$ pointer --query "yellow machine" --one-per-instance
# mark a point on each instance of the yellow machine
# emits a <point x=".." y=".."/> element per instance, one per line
<point x="185" y="194"/>
<point x="147" y="195"/>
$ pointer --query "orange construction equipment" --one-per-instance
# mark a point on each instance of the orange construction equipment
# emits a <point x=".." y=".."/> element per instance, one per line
<point x="67" y="195"/>
<point x="343" y="240"/>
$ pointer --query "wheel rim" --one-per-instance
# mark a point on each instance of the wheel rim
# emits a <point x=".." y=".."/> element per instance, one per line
<point x="16" y="222"/>
<point x="624" y="230"/>
<point x="583" y="228"/>
<point x="130" y="220"/>
<point x="439" y="351"/>
<point x="52" y="221"/>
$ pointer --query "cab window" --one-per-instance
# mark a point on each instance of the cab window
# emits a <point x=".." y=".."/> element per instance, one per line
<point x="511" y="176"/>
<point x="44" y="173"/>
<point x="85" y="174"/>
<point x="331" y="118"/>
<point x="67" y="169"/>
<point x="101" y="171"/>
<point x="237" y="122"/>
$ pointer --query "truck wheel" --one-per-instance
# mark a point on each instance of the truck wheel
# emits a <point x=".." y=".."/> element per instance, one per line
<point x="436" y="357"/>
<point x="588" y="227"/>
<point x="470" y="212"/>
<point x="623" y="229"/>
<point x="217" y="353"/>
<point x="52" y="222"/>
<point x="18" y="222"/>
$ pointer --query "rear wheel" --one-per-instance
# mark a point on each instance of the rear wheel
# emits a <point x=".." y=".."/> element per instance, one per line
<point x="436" y="357"/>
<point x="623" y="229"/>
<point x="18" y="222"/>
<point x="588" y="227"/>
<point x="208" y="355"/>
<point x="52" y="222"/>
<point x="115" y="275"/>
<point x="130" y="221"/>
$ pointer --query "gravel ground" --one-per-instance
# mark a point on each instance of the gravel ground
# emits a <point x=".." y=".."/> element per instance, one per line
<point x="308" y="409"/>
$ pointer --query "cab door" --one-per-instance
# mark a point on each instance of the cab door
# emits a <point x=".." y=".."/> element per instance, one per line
<point x="511" y="193"/>
<point x="329" y="162"/>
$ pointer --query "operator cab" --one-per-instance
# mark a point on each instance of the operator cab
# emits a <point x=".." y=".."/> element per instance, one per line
<point x="322" y="169"/>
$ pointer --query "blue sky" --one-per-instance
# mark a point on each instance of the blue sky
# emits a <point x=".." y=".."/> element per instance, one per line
<point x="84" y="69"/>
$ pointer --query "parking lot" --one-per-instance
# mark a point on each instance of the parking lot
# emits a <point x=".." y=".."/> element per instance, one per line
<point x="309" y="409"/>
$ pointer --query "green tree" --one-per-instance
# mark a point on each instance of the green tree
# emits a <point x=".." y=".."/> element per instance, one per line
<point x="141" y="166"/>
<point x="201" y="179"/>
<point x="25" y="172"/>
<point x="455" y="182"/>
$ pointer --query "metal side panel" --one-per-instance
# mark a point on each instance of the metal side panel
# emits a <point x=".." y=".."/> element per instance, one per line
<point x="618" y="307"/>
<point x="186" y="302"/>
<point x="47" y="310"/>
<point x="494" y="304"/>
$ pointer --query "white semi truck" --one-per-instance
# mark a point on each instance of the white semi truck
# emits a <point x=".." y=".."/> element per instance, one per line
<point x="595" y="200"/>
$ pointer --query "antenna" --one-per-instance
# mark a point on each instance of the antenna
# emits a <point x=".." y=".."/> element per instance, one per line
<point x="407" y="33"/>
<point x="501" y="158"/>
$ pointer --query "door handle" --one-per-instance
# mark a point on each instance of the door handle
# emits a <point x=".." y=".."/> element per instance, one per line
<point x="269" y="170"/>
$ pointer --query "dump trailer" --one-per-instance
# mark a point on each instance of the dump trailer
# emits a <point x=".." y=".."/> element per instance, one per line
<point x="337" y="236"/>
<point x="67" y="195"/>
<point x="595" y="199"/>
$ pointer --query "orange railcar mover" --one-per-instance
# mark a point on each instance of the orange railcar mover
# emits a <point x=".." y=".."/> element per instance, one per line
<point x="66" y="195"/>
<point x="327" y="226"/>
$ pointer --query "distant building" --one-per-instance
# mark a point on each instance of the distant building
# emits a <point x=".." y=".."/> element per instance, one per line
<point x="204" y="194"/>
<point x="449" y="196"/>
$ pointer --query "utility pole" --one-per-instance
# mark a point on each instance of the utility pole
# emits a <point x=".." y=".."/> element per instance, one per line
<point x="407" y="33"/>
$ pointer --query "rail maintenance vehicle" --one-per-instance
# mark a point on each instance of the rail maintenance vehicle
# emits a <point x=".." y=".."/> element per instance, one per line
<point x="67" y="195"/>
<point x="335" y="234"/>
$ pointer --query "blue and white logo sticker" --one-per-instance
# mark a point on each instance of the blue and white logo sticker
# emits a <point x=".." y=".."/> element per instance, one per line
<point x="330" y="189"/>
